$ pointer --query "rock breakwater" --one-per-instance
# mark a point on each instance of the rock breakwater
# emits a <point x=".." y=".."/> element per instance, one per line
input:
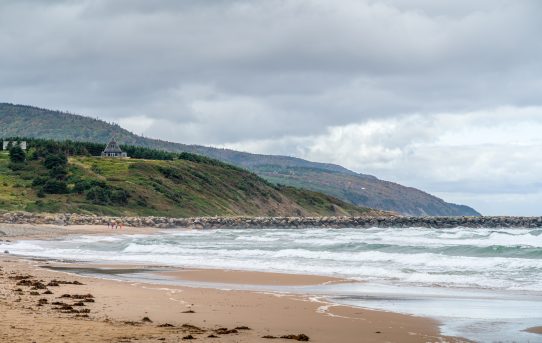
<point x="271" y="222"/>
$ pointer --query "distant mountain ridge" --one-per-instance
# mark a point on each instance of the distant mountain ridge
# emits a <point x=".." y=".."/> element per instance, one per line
<point x="359" y="189"/>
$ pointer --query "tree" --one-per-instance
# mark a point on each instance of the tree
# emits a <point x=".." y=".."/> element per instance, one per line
<point x="17" y="155"/>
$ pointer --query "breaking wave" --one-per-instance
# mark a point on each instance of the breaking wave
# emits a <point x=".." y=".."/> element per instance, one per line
<point x="458" y="257"/>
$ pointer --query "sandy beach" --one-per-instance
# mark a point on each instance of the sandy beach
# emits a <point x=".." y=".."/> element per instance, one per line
<point x="43" y="305"/>
<point x="28" y="231"/>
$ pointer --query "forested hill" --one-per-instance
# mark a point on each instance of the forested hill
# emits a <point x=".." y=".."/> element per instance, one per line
<point x="359" y="189"/>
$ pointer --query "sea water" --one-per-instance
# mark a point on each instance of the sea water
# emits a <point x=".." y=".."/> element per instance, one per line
<point x="483" y="284"/>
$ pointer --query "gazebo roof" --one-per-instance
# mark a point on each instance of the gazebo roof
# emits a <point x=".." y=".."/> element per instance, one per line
<point x="112" y="147"/>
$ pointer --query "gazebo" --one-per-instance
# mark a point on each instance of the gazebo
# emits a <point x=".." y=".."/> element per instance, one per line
<point x="113" y="150"/>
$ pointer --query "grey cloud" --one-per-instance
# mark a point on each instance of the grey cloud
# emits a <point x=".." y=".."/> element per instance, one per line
<point x="294" y="46"/>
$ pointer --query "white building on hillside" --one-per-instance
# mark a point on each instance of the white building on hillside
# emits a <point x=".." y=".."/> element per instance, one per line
<point x="6" y="145"/>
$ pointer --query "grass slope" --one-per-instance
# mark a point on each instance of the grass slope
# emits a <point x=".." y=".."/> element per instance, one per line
<point x="178" y="188"/>
<point x="365" y="191"/>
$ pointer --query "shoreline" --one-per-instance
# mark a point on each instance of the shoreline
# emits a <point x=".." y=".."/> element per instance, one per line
<point x="120" y="306"/>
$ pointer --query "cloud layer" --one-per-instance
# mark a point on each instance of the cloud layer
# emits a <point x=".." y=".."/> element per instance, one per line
<point x="444" y="96"/>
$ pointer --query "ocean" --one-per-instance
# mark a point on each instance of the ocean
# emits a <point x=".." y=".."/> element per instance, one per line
<point x="482" y="284"/>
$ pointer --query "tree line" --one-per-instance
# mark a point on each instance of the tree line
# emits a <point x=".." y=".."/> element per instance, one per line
<point x="76" y="148"/>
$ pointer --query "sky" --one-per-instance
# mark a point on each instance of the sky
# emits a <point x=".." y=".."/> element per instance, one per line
<point x="445" y="96"/>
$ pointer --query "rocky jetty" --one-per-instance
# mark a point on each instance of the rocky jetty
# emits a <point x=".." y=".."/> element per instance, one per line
<point x="272" y="222"/>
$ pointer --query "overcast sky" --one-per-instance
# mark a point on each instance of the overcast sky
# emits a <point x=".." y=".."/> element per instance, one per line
<point x="445" y="96"/>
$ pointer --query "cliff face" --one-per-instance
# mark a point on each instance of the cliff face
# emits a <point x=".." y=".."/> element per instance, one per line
<point x="355" y="188"/>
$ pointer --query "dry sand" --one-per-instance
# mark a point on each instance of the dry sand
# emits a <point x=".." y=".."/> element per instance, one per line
<point x="27" y="231"/>
<point x="119" y="307"/>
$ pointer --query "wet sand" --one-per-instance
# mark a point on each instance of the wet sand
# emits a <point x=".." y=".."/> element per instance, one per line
<point x="217" y="276"/>
<point x="536" y="329"/>
<point x="116" y="310"/>
<point x="251" y="278"/>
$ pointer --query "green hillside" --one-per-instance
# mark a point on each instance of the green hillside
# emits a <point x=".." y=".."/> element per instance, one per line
<point x="364" y="190"/>
<point x="359" y="189"/>
<point x="185" y="187"/>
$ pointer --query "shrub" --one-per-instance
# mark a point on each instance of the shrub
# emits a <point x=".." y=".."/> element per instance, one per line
<point x="32" y="155"/>
<point x="16" y="166"/>
<point x="119" y="196"/>
<point x="55" y="187"/>
<point x="170" y="173"/>
<point x="80" y="186"/>
<point x="141" y="201"/>
<point x="55" y="160"/>
<point x="39" y="181"/>
<point x="41" y="193"/>
<point x="96" y="169"/>
<point x="201" y="176"/>
<point x="58" y="172"/>
<point x="105" y="195"/>
<point x="98" y="195"/>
